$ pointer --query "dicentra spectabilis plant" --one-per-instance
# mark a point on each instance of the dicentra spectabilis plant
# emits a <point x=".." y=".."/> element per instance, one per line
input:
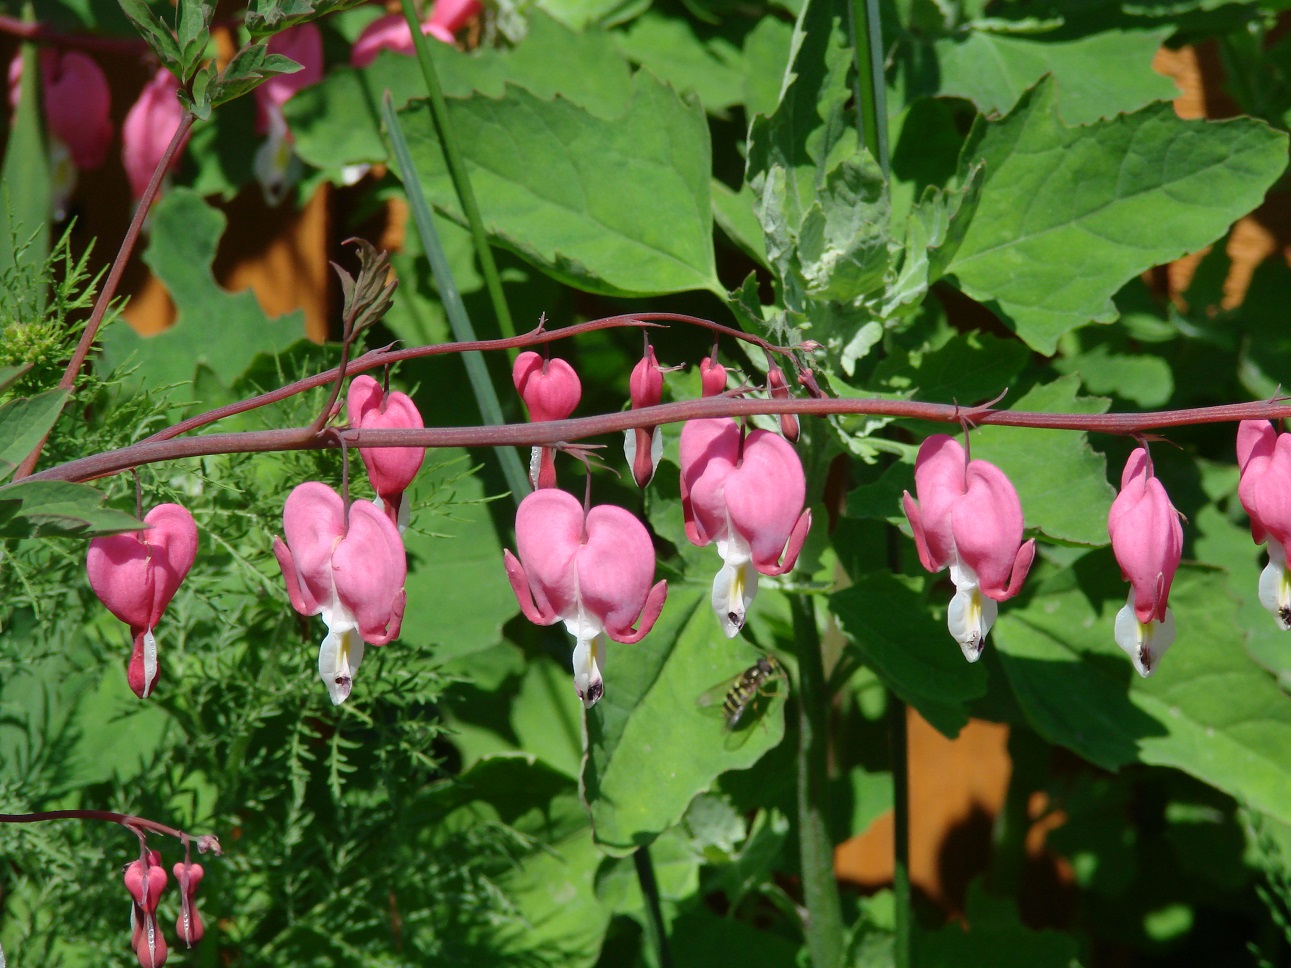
<point x="746" y="493"/>
<point x="145" y="879"/>
<point x="348" y="566"/>
<point x="591" y="570"/>
<point x="550" y="390"/>
<point x="1147" y="540"/>
<point x="967" y="515"/>
<point x="391" y="469"/>
<point x="643" y="446"/>
<point x="1264" y="457"/>
<point x="136" y="576"/>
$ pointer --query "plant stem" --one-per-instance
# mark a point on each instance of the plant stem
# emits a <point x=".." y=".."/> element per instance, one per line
<point x="656" y="932"/>
<point x="866" y="32"/>
<point x="457" y="171"/>
<point x="900" y="828"/>
<point x="485" y="395"/>
<point x="135" y="824"/>
<point x="825" y="938"/>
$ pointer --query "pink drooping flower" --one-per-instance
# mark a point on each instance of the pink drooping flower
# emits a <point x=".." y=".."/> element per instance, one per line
<point x="746" y="493"/>
<point x="1147" y="540"/>
<point x="188" y="925"/>
<point x="551" y="390"/>
<point x="643" y="446"/>
<point x="968" y="516"/>
<point x="145" y="879"/>
<point x="591" y="571"/>
<point x="276" y="166"/>
<point x="391" y="31"/>
<point x="136" y="575"/>
<point x="149" y="125"/>
<point x="391" y="469"/>
<point x="1264" y="457"/>
<point x="350" y="572"/>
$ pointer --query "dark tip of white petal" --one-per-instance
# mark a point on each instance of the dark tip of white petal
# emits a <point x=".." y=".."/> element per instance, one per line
<point x="1284" y="617"/>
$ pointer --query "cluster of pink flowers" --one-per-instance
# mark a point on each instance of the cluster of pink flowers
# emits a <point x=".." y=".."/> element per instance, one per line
<point x="146" y="879"/>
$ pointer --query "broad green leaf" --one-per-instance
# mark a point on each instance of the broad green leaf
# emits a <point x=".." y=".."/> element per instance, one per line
<point x="1062" y="482"/>
<point x="337" y="122"/>
<point x="217" y="329"/>
<point x="651" y="723"/>
<point x="1208" y="710"/>
<point x="673" y="51"/>
<point x="1098" y="76"/>
<point x="968" y="368"/>
<point x="9" y="375"/>
<point x="30" y="508"/>
<point x="1068" y="215"/>
<point x="1142" y="378"/>
<point x="735" y="216"/>
<point x="24" y="424"/>
<point x="25" y="186"/>
<point x="583" y="14"/>
<point x="914" y="655"/>
<point x="619" y="207"/>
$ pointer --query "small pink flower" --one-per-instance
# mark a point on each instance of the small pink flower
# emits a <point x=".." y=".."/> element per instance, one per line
<point x="391" y="469"/>
<point x="189" y="923"/>
<point x="351" y="573"/>
<point x="592" y="572"/>
<point x="149" y="125"/>
<point x="136" y="576"/>
<point x="968" y="516"/>
<point x="391" y="31"/>
<point x="551" y="390"/>
<point x="643" y="446"/>
<point x="145" y="879"/>
<point x="746" y="494"/>
<point x="1264" y="457"/>
<point x="1147" y="540"/>
<point x="712" y="377"/>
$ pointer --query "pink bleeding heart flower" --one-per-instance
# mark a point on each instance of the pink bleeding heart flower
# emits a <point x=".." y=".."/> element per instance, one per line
<point x="352" y="573"/>
<point x="712" y="377"/>
<point x="968" y="516"/>
<point x="746" y="494"/>
<point x="145" y="879"/>
<point x="591" y="571"/>
<point x="276" y="166"/>
<point x="391" y="469"/>
<point x="1264" y="457"/>
<point x="391" y="31"/>
<point x="1147" y="540"/>
<point x="188" y="925"/>
<point x="551" y="390"/>
<point x="643" y="446"/>
<point x="136" y="575"/>
<point x="149" y="125"/>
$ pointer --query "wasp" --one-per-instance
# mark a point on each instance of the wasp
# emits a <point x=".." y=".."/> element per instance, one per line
<point x="742" y="694"/>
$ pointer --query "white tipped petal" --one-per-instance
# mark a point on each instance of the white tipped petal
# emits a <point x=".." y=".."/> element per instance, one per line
<point x="1144" y="643"/>
<point x="149" y="663"/>
<point x="1275" y="586"/>
<point x="589" y="654"/>
<point x="734" y="587"/>
<point x="338" y="661"/>
<point x="969" y="618"/>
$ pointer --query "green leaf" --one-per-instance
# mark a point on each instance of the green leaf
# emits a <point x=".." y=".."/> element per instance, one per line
<point x="30" y="508"/>
<point x="1061" y="480"/>
<point x="650" y="723"/>
<point x="1098" y="76"/>
<point x="996" y="938"/>
<point x="24" y="424"/>
<point x="1208" y="710"/>
<point x="1068" y="215"/>
<point x="271" y="16"/>
<point x="9" y="375"/>
<point x="194" y="33"/>
<point x="217" y="329"/>
<point x="736" y="217"/>
<point x="25" y="185"/>
<point x="670" y="48"/>
<point x="249" y="68"/>
<point x="1141" y="378"/>
<point x="157" y="33"/>
<point x="914" y="655"/>
<point x="619" y="207"/>
<point x="968" y="368"/>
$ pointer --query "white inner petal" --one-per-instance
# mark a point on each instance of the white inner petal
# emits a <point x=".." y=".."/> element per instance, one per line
<point x="340" y="654"/>
<point x="589" y="656"/>
<point x="149" y="662"/>
<point x="1275" y="586"/>
<point x="736" y="584"/>
<point x="1144" y="642"/>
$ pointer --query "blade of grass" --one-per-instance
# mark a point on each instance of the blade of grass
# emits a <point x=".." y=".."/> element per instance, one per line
<point x="871" y="91"/>
<point x="457" y="170"/>
<point x="485" y="395"/>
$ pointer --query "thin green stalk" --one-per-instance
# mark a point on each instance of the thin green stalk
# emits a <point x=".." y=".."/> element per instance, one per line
<point x="900" y="828"/>
<point x="656" y="932"/>
<point x="457" y="171"/>
<point x="485" y="396"/>
<point x="866" y="33"/>
<point x="825" y="936"/>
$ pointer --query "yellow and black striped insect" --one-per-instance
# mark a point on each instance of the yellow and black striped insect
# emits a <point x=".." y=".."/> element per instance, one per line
<point x="743" y="699"/>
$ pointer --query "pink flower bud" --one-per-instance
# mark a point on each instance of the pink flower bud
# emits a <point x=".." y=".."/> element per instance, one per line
<point x="593" y="573"/>
<point x="551" y="390"/>
<point x="136" y="576"/>
<point x="189" y="923"/>
<point x="351" y="573"/>
<point x="780" y="391"/>
<point x="712" y="377"/>
<point x="968" y="516"/>
<point x="1264" y="457"/>
<point x="747" y="495"/>
<point x="643" y="446"/>
<point x="391" y="469"/>
<point x="1147" y="540"/>
<point x="149" y="125"/>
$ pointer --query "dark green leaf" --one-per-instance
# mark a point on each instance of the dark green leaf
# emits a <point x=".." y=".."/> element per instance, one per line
<point x="24" y="424"/>
<point x="156" y="32"/>
<point x="271" y="16"/>
<point x="250" y="67"/>
<point x="11" y="374"/>
<point x="30" y="508"/>
<point x="194" y="33"/>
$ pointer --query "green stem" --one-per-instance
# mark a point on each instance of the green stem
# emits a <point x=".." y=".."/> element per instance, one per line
<point x="866" y="34"/>
<point x="457" y="171"/>
<point x="485" y="395"/>
<point x="656" y="932"/>
<point x="900" y="828"/>
<point x="825" y="938"/>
